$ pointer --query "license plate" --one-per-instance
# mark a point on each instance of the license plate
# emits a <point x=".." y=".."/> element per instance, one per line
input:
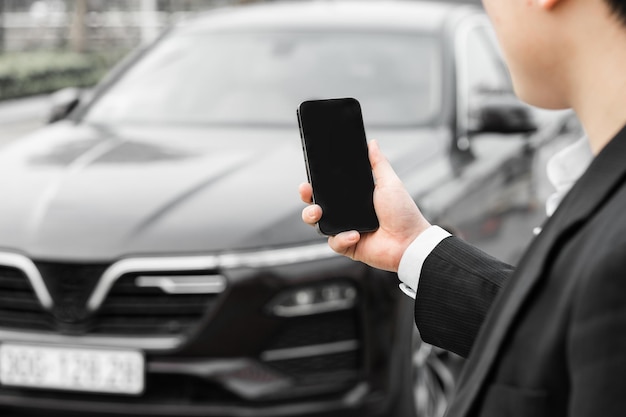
<point x="92" y="370"/>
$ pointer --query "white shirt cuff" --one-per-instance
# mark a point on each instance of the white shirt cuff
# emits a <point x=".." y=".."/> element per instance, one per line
<point x="414" y="257"/>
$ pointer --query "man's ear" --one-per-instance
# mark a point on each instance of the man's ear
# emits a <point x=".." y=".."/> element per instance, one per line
<point x="548" y="4"/>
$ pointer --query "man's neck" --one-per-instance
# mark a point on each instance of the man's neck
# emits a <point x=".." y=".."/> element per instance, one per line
<point x="599" y="84"/>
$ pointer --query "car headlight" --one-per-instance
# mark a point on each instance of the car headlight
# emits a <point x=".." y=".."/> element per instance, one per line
<point x="314" y="299"/>
<point x="321" y="298"/>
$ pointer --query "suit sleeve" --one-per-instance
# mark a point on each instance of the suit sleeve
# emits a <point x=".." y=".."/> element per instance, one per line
<point x="457" y="286"/>
<point x="596" y="348"/>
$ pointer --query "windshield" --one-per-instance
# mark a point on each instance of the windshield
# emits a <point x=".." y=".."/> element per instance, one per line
<point x="260" y="78"/>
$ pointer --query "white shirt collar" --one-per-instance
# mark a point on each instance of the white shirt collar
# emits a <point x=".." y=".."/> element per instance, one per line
<point x="565" y="168"/>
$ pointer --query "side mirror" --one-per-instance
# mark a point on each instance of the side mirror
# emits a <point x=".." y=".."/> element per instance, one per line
<point x="502" y="113"/>
<point x="63" y="102"/>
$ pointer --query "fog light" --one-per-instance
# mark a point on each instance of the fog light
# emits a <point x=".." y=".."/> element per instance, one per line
<point x="314" y="300"/>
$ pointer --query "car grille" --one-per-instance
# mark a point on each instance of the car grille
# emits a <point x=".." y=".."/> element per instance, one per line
<point x="316" y="330"/>
<point x="318" y="366"/>
<point x="320" y="330"/>
<point x="127" y="309"/>
<point x="19" y="307"/>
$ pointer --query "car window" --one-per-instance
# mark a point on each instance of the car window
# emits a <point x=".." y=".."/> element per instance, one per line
<point x="260" y="78"/>
<point x="486" y="71"/>
<point x="481" y="69"/>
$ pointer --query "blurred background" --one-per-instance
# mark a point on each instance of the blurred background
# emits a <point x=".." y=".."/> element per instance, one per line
<point x="46" y="45"/>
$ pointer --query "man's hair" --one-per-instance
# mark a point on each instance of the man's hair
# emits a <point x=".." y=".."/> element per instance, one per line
<point x="619" y="8"/>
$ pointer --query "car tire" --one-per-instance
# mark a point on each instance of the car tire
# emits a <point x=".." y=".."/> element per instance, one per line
<point x="429" y="381"/>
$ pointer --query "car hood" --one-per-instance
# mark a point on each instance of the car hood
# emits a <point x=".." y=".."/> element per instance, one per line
<point x="85" y="193"/>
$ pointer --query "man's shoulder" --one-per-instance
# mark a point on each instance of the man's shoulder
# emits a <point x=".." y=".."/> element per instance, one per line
<point x="602" y="239"/>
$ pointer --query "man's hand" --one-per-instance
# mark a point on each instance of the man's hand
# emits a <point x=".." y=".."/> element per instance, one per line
<point x="400" y="219"/>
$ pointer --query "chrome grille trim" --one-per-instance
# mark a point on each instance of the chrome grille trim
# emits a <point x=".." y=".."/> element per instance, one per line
<point x="142" y="265"/>
<point x="252" y="259"/>
<point x="277" y="256"/>
<point x="194" y="284"/>
<point x="143" y="343"/>
<point x="24" y="264"/>
<point x="249" y="259"/>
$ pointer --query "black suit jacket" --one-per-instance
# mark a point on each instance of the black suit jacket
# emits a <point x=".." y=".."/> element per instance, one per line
<point x="549" y="337"/>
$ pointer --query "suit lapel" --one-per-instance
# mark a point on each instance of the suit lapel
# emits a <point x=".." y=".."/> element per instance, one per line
<point x="605" y="174"/>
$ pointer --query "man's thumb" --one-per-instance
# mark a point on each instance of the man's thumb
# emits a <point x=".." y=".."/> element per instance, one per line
<point x="380" y="165"/>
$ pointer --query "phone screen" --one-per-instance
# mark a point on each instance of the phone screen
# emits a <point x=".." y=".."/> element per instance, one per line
<point x="338" y="167"/>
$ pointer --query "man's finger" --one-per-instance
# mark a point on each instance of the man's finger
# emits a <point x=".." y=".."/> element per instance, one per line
<point x="312" y="214"/>
<point x="380" y="165"/>
<point x="344" y="243"/>
<point x="306" y="192"/>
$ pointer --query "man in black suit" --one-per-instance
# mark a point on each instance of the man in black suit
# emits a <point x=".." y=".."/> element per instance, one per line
<point x="547" y="338"/>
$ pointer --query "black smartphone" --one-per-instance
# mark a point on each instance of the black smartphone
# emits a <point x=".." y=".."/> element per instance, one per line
<point x="338" y="167"/>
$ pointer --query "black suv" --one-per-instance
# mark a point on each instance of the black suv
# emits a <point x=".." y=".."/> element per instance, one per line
<point x="152" y="256"/>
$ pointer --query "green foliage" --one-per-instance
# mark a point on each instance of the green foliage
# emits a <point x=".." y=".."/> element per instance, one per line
<point x="29" y="73"/>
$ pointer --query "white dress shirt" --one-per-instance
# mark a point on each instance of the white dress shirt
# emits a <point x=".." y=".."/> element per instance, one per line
<point x="563" y="169"/>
